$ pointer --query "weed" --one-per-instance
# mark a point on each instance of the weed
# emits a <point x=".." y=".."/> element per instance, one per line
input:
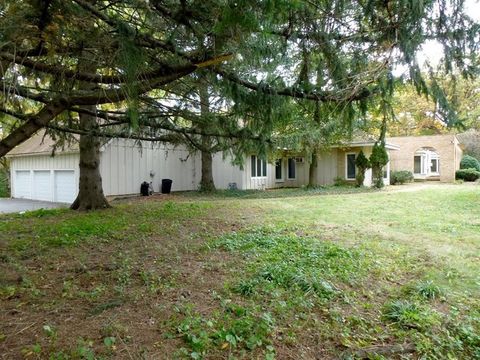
<point x="409" y="315"/>
<point x="426" y="290"/>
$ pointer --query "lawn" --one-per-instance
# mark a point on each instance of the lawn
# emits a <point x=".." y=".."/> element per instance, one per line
<point x="292" y="274"/>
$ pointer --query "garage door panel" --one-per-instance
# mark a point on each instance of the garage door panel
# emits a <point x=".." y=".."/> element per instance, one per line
<point x="42" y="185"/>
<point x="65" y="186"/>
<point x="23" y="184"/>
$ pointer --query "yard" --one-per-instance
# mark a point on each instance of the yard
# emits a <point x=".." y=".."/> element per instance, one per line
<point x="290" y="274"/>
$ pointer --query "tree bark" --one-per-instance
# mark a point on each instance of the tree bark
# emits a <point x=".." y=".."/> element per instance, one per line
<point x="90" y="190"/>
<point x="90" y="194"/>
<point x="206" y="183"/>
<point x="312" y="170"/>
<point x="30" y="127"/>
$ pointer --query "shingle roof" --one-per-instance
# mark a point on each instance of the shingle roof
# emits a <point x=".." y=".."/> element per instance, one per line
<point x="41" y="144"/>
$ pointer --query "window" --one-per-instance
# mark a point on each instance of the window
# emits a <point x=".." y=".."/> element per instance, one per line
<point x="291" y="169"/>
<point x="279" y="170"/>
<point x="434" y="166"/>
<point x="350" y="167"/>
<point x="259" y="167"/>
<point x="426" y="162"/>
<point x="417" y="164"/>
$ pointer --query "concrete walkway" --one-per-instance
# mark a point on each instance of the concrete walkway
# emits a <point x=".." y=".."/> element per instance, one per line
<point x="418" y="186"/>
<point x="19" y="205"/>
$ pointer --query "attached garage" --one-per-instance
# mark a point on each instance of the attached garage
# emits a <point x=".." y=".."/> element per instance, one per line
<point x="65" y="186"/>
<point x="124" y="165"/>
<point x="23" y="184"/>
<point x="38" y="175"/>
<point x="42" y="185"/>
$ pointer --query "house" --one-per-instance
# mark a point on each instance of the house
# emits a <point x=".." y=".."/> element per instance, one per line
<point x="431" y="157"/>
<point x="125" y="164"/>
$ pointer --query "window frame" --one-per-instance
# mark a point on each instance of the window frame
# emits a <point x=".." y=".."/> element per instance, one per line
<point x="257" y="163"/>
<point x="279" y="164"/>
<point x="346" y="165"/>
<point x="437" y="166"/>
<point x="294" y="168"/>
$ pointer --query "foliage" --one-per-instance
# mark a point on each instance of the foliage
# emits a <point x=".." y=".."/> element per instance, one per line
<point x="407" y="314"/>
<point x="378" y="159"/>
<point x="341" y="182"/>
<point x="400" y="177"/>
<point x="362" y="163"/>
<point x="470" y="141"/>
<point x="4" y="184"/>
<point x="467" y="174"/>
<point x="469" y="162"/>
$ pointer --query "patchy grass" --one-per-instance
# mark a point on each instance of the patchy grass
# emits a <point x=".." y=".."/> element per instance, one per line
<point x="279" y="193"/>
<point x="380" y="275"/>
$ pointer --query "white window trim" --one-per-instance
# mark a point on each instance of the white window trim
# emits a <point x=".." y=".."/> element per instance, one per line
<point x="288" y="175"/>
<point x="262" y="162"/>
<point x="346" y="165"/>
<point x="426" y="157"/>
<point x="437" y="159"/>
<point x="282" y="179"/>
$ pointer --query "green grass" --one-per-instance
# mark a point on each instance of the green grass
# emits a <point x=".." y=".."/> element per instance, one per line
<point x="250" y="275"/>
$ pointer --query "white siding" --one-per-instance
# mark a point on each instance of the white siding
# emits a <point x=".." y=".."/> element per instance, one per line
<point x="44" y="162"/>
<point x="124" y="165"/>
<point x="327" y="167"/>
<point x="269" y="182"/>
<point x="224" y="173"/>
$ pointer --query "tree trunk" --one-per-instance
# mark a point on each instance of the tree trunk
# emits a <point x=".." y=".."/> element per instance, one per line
<point x="312" y="171"/>
<point x="90" y="190"/>
<point x="207" y="183"/>
<point x="90" y="195"/>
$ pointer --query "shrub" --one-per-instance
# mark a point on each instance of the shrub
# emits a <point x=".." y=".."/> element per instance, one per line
<point x="467" y="174"/>
<point x="400" y="177"/>
<point x="378" y="159"/>
<point x="362" y="164"/>
<point x="469" y="162"/>
<point x="4" y="188"/>
<point x="339" y="181"/>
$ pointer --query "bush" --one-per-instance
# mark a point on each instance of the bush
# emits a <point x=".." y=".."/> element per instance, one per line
<point x="4" y="188"/>
<point x="469" y="162"/>
<point x="400" y="177"/>
<point x="467" y="174"/>
<point x="339" y="181"/>
<point x="378" y="159"/>
<point x="362" y="164"/>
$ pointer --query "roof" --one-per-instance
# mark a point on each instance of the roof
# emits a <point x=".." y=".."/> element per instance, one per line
<point x="361" y="143"/>
<point x="41" y="144"/>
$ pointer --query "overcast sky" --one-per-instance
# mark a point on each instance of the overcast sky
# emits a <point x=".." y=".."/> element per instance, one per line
<point x="432" y="50"/>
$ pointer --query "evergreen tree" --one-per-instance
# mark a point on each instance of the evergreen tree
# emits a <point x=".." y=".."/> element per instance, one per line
<point x="338" y="54"/>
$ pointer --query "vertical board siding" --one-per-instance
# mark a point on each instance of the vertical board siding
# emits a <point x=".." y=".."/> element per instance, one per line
<point x="224" y="173"/>
<point x="125" y="164"/>
<point x="327" y="167"/>
<point x="44" y="162"/>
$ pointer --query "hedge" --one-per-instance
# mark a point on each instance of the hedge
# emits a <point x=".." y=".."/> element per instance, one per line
<point x="467" y="174"/>
<point x="400" y="177"/>
<point x="469" y="162"/>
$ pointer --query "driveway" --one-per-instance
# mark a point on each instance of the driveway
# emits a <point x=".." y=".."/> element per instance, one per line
<point x="19" y="205"/>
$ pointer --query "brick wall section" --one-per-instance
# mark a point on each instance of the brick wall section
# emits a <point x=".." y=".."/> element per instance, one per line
<point x="447" y="147"/>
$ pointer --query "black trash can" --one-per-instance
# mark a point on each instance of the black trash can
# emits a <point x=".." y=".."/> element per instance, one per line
<point x="144" y="188"/>
<point x="166" y="186"/>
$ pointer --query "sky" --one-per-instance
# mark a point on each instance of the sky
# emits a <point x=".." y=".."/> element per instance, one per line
<point x="432" y="50"/>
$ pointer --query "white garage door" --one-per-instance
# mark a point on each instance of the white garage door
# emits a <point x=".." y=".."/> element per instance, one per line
<point x="65" y="187"/>
<point x="42" y="185"/>
<point x="23" y="184"/>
